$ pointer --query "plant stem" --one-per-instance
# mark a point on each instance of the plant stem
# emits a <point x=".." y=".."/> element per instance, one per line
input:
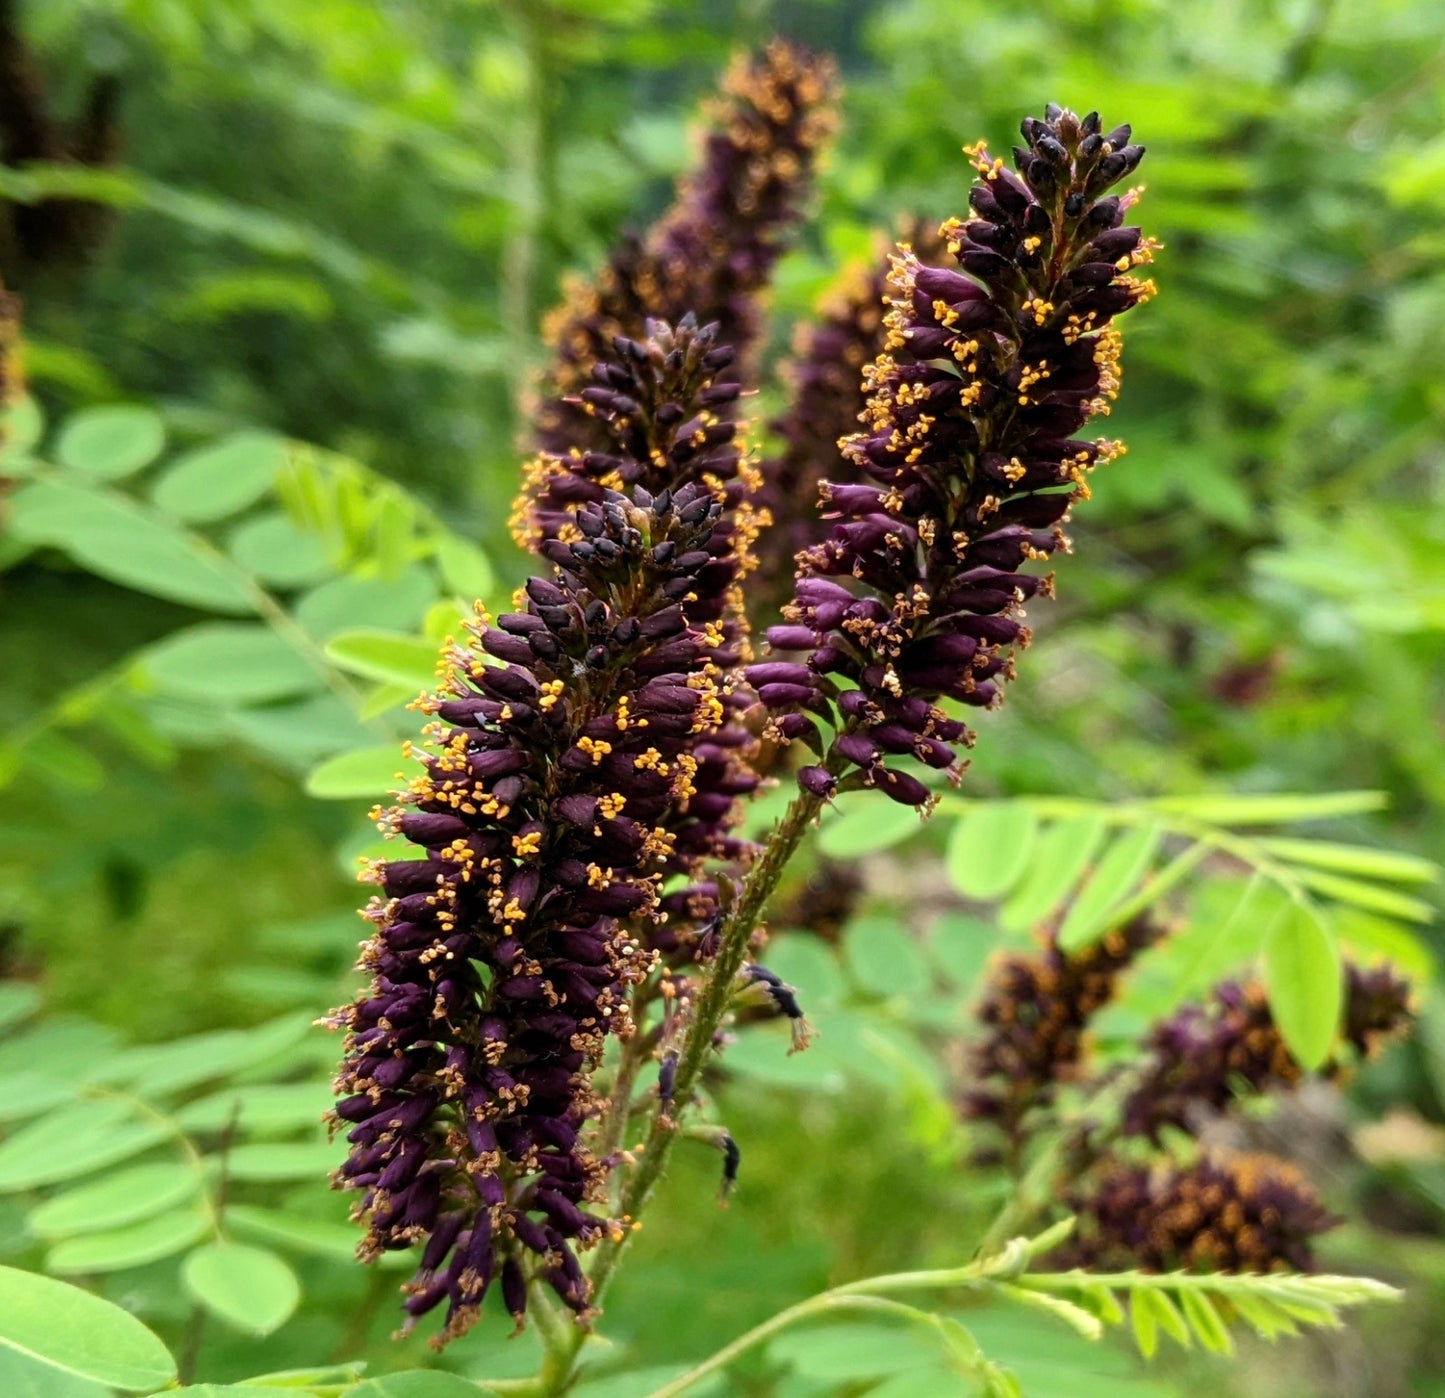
<point x="1035" y="1191"/>
<point x="865" y="1293"/>
<point x="736" y="933"/>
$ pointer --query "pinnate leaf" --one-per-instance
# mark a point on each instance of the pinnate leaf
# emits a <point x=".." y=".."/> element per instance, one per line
<point x="131" y="1246"/>
<point x="72" y="1142"/>
<point x="369" y="772"/>
<point x="1115" y="877"/>
<point x="229" y="662"/>
<point x="388" y="656"/>
<point x="1061" y="854"/>
<point x="115" y="538"/>
<point x="221" y="479"/>
<point x="867" y="825"/>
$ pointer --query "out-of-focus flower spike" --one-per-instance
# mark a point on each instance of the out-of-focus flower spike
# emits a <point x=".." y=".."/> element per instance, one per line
<point x="1035" y="1012"/>
<point x="711" y="253"/>
<point x="1205" y="1055"/>
<point x="1223" y="1213"/>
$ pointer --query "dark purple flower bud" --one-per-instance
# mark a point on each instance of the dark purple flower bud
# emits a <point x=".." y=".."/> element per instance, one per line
<point x="818" y="781"/>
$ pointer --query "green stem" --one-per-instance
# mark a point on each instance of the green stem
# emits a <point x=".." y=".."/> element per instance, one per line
<point x="1036" y="1190"/>
<point x="736" y="933"/>
<point x="869" y="1293"/>
<point x="213" y="1200"/>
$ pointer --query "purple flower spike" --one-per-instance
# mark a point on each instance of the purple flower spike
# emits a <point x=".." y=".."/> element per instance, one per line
<point x="916" y="595"/>
<point x="580" y="757"/>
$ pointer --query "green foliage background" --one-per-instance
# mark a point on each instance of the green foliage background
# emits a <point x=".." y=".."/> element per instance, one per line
<point x="340" y="222"/>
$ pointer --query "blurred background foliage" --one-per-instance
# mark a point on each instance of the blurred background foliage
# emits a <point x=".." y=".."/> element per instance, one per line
<point x="340" y="222"/>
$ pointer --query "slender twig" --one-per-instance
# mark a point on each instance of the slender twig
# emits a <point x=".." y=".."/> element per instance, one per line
<point x="1073" y="1141"/>
<point x="1008" y="1263"/>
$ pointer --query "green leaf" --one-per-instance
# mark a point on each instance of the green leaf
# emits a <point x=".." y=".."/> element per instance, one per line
<point x="1370" y="938"/>
<point x="111" y="442"/>
<point x="30" y="1093"/>
<point x="1369" y="896"/>
<point x="65" y="1044"/>
<point x="310" y="1237"/>
<point x="1082" y="1321"/>
<point x="264" y="1108"/>
<point x="132" y="1246"/>
<point x="116" y="538"/>
<point x="248" y="1287"/>
<point x="465" y="569"/>
<point x="1360" y="860"/>
<point x="245" y="1389"/>
<point x="346" y="603"/>
<point x="284" y="1162"/>
<point x="884" y="957"/>
<point x="1303" y="978"/>
<point x="301" y="732"/>
<point x="416" y="1383"/>
<point x="73" y="1142"/>
<point x="1115" y="877"/>
<point x="387" y="656"/>
<point x="272" y="548"/>
<point x="1145" y="1323"/>
<point x="77" y="1333"/>
<point x="322" y="1376"/>
<point x="867" y="825"/>
<point x="24" y="1377"/>
<point x="855" y="1350"/>
<point x="220" y="480"/>
<point x="1273" y="809"/>
<point x="1061" y="855"/>
<point x="166" y="1068"/>
<point x="18" y="1002"/>
<point x="1264" y="1318"/>
<point x="369" y="772"/>
<point x="1170" y="1321"/>
<point x="229" y="662"/>
<point x="808" y="963"/>
<point x="1220" y="934"/>
<point x="115" y="1200"/>
<point x="988" y="851"/>
<point x="1205" y="1321"/>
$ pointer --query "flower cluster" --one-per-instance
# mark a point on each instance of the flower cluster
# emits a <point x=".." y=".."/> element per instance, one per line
<point x="1202" y="1057"/>
<point x="714" y="250"/>
<point x="562" y="786"/>
<point x="660" y="407"/>
<point x="1226" y="1213"/>
<point x="825" y="404"/>
<point x="969" y="459"/>
<point x="1036" y="1011"/>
